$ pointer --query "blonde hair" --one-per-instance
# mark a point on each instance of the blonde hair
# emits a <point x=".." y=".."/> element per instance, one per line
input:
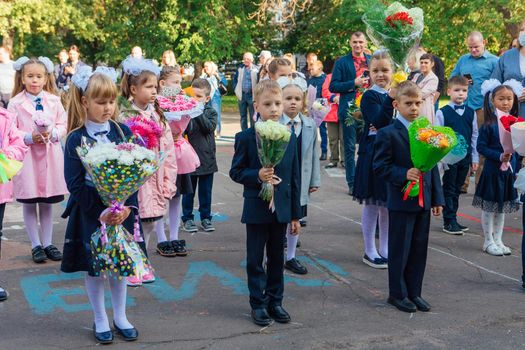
<point x="303" y="94"/>
<point x="408" y="89"/>
<point x="99" y="86"/>
<point x="171" y="60"/>
<point x="49" y="86"/>
<point x="266" y="86"/>
<point x="290" y="57"/>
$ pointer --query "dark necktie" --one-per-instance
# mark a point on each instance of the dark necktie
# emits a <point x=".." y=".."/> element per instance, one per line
<point x="39" y="106"/>
<point x="105" y="132"/>
<point x="292" y="125"/>
<point x="456" y="107"/>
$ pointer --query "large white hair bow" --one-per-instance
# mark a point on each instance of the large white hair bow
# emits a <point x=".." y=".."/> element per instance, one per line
<point x="19" y="63"/>
<point x="489" y="85"/>
<point x="297" y="81"/>
<point x="81" y="77"/>
<point x="135" y="66"/>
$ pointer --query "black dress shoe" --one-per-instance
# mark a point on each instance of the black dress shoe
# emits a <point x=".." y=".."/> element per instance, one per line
<point x="402" y="304"/>
<point x="279" y="314"/>
<point x="53" y="253"/>
<point x="129" y="334"/>
<point x="303" y="223"/>
<point x="295" y="266"/>
<point x="3" y="294"/>
<point x="103" y="337"/>
<point x="421" y="304"/>
<point x="261" y="318"/>
<point x="38" y="254"/>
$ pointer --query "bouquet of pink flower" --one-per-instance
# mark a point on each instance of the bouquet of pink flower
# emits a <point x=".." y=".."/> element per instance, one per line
<point x="146" y="131"/>
<point x="174" y="107"/>
<point x="42" y="122"/>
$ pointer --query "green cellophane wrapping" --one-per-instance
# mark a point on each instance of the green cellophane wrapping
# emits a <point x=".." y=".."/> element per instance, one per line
<point x="425" y="155"/>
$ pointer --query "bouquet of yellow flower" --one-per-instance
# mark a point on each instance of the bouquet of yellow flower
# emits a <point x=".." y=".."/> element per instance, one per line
<point x="428" y="145"/>
<point x="272" y="139"/>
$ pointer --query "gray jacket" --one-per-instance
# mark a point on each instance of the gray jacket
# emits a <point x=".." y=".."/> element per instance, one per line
<point x="508" y="67"/>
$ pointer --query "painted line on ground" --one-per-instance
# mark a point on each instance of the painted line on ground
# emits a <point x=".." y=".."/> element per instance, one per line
<point x="472" y="218"/>
<point x="471" y="263"/>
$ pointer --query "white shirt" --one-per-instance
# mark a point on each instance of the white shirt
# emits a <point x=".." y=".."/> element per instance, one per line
<point x="440" y="121"/>
<point x="296" y="123"/>
<point x="98" y="131"/>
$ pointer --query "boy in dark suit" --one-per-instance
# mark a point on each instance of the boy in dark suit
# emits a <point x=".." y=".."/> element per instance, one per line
<point x="409" y="223"/>
<point x="462" y="119"/>
<point x="265" y="228"/>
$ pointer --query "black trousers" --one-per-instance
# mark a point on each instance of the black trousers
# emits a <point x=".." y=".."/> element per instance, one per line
<point x="453" y="180"/>
<point x="407" y="252"/>
<point x="266" y="287"/>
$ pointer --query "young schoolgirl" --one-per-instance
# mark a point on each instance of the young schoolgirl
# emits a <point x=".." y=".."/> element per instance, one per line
<point x="40" y="183"/>
<point x="369" y="190"/>
<point x="265" y="230"/>
<point x="187" y="161"/>
<point x="306" y="131"/>
<point x="495" y="193"/>
<point x="139" y="85"/>
<point x="91" y="115"/>
<point x="13" y="147"/>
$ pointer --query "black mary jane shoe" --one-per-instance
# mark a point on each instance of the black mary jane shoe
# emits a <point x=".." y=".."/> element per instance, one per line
<point x="38" y="254"/>
<point x="53" y="253"/>
<point x="261" y="318"/>
<point x="179" y="247"/>
<point x="421" y="304"/>
<point x="129" y="334"/>
<point x="103" y="337"/>
<point x="295" y="266"/>
<point x="279" y="314"/>
<point x="3" y="294"/>
<point x="402" y="304"/>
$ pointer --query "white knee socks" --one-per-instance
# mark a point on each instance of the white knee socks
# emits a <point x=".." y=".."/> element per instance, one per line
<point x="31" y="223"/>
<point x="291" y="242"/>
<point x="159" y="229"/>
<point x="95" y="292"/>
<point x="487" y="223"/>
<point x="148" y="228"/>
<point x="174" y="213"/>
<point x="368" y="224"/>
<point x="499" y="222"/>
<point x="45" y="212"/>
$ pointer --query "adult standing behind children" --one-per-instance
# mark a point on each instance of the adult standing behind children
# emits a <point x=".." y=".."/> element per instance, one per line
<point x="201" y="136"/>
<point x="428" y="82"/>
<point x="409" y="224"/>
<point x="347" y="78"/>
<point x="217" y="82"/>
<point x="317" y="78"/>
<point x="266" y="229"/>
<point x="244" y="83"/>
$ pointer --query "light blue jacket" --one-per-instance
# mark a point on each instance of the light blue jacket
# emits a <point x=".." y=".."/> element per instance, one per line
<point x="509" y="68"/>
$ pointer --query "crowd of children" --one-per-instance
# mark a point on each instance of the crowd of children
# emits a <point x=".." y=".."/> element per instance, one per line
<point x="51" y="171"/>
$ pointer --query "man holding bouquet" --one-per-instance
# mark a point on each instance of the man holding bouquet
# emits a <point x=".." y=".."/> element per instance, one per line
<point x="347" y="77"/>
<point x="409" y="219"/>
<point x="265" y="220"/>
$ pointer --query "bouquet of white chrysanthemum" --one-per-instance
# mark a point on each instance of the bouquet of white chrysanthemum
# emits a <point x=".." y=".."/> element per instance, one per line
<point x="118" y="171"/>
<point x="272" y="139"/>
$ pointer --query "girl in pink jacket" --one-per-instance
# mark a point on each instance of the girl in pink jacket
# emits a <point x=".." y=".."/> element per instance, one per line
<point x="42" y="118"/>
<point x="13" y="147"/>
<point x="139" y="85"/>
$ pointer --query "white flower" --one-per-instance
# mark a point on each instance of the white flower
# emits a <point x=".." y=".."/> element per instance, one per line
<point x="126" y="158"/>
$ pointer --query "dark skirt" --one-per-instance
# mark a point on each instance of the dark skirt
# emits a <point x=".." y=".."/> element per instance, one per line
<point x="495" y="191"/>
<point x="153" y="219"/>
<point x="48" y="200"/>
<point x="368" y="189"/>
<point x="184" y="185"/>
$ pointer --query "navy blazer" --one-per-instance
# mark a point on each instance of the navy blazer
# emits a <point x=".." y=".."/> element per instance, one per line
<point x="391" y="163"/>
<point x="489" y="146"/>
<point x="245" y="170"/>
<point x="375" y="112"/>
<point x="343" y="78"/>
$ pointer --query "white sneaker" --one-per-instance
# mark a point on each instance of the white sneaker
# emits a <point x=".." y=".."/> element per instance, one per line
<point x="492" y="249"/>
<point x="506" y="250"/>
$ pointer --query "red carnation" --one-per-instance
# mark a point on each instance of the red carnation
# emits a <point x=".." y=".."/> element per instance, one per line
<point x="399" y="17"/>
<point x="508" y="120"/>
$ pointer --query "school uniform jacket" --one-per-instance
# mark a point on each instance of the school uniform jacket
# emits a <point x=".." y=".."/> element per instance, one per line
<point x="391" y="163"/>
<point x="245" y="170"/>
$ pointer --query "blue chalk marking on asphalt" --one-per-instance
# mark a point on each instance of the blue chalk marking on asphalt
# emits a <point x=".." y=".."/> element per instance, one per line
<point x="196" y="271"/>
<point x="324" y="263"/>
<point x="45" y="299"/>
<point x="216" y="217"/>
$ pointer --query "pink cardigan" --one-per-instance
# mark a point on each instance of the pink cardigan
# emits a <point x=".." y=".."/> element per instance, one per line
<point x="428" y="88"/>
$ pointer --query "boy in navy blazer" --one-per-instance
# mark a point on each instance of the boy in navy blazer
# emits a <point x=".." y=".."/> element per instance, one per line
<point x="265" y="228"/>
<point x="409" y="223"/>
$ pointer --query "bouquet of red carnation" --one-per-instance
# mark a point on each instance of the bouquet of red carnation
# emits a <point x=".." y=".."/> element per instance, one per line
<point x="146" y="131"/>
<point x="505" y="138"/>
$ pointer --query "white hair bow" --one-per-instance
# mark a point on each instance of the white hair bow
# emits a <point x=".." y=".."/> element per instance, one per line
<point x="81" y="77"/>
<point x="135" y="66"/>
<point x="489" y="85"/>
<point x="19" y="63"/>
<point x="297" y="81"/>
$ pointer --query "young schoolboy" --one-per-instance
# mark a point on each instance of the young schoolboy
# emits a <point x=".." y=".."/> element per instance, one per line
<point x="409" y="223"/>
<point x="462" y="119"/>
<point x="266" y="228"/>
<point x="201" y="135"/>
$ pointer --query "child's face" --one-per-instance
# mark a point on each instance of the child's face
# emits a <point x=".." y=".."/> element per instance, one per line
<point x="145" y="94"/>
<point x="381" y="73"/>
<point x="503" y="100"/>
<point x="426" y="66"/>
<point x="458" y="93"/>
<point x="292" y="101"/>
<point x="282" y="71"/>
<point x="269" y="105"/>
<point x="316" y="70"/>
<point x="99" y="110"/>
<point x="34" y="78"/>
<point x="172" y="81"/>
<point x="200" y="95"/>
<point x="409" y="107"/>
